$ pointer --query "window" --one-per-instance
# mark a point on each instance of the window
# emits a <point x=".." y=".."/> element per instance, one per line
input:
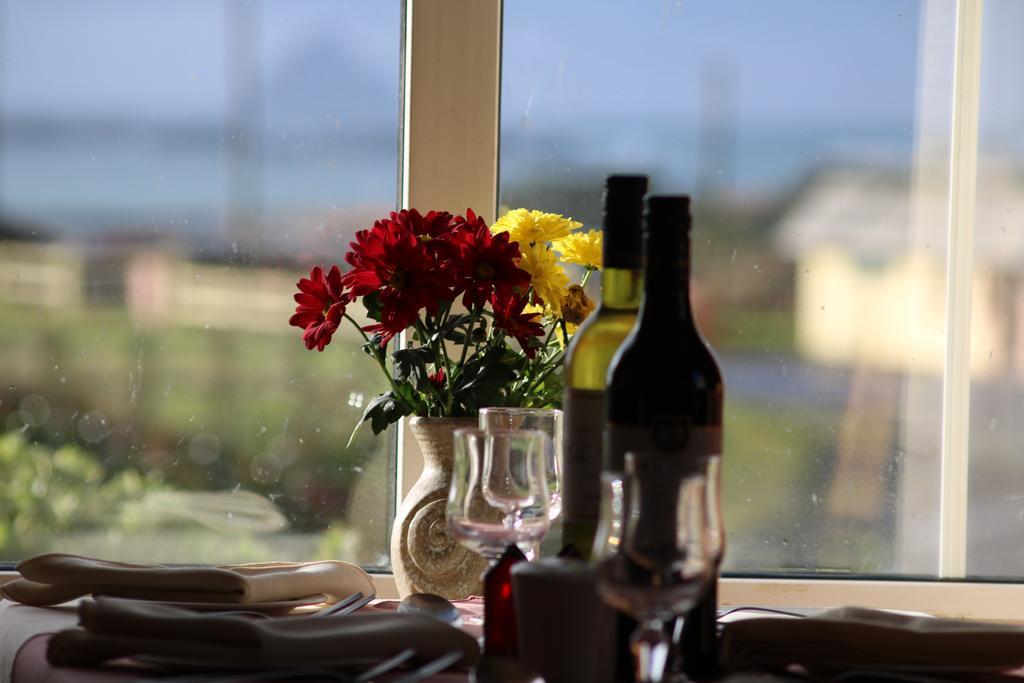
<point x="869" y="334"/>
<point x="167" y="172"/>
<point x="816" y="141"/>
<point x="993" y="532"/>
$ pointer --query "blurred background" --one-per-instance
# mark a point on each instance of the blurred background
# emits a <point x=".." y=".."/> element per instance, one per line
<point x="167" y="172"/>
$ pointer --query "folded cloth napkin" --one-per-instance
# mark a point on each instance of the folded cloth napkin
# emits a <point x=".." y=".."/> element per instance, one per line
<point x="112" y="628"/>
<point x="856" y="638"/>
<point x="55" y="578"/>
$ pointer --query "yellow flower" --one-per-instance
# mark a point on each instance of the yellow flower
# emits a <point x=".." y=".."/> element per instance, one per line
<point x="534" y="227"/>
<point x="536" y="308"/>
<point x="581" y="248"/>
<point x="547" y="278"/>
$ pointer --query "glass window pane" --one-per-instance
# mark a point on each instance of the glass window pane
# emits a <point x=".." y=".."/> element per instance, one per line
<point x="813" y="138"/>
<point x="167" y="173"/>
<point x="996" y="503"/>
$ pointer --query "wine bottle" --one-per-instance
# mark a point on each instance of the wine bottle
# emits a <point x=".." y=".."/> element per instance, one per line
<point x="591" y="351"/>
<point x="665" y="389"/>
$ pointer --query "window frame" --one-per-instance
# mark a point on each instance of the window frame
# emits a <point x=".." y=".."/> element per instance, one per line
<point x="437" y="73"/>
<point x="450" y="112"/>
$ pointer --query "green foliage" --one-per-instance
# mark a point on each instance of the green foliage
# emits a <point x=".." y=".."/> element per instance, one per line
<point x="262" y="396"/>
<point x="486" y="377"/>
<point x="411" y="366"/>
<point x="46" y="492"/>
<point x="384" y="410"/>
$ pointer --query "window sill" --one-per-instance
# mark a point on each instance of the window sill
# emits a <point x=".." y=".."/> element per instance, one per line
<point x="961" y="600"/>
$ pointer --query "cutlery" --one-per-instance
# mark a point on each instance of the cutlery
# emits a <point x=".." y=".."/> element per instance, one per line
<point x="352" y="603"/>
<point x="346" y="605"/>
<point x="385" y="666"/>
<point x="430" y="668"/>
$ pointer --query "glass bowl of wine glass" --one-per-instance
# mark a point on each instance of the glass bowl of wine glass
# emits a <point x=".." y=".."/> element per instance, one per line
<point x="499" y="492"/>
<point x="547" y="420"/>
<point x="654" y="555"/>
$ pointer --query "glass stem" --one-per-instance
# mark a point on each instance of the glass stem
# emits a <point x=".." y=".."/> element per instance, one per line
<point x="651" y="650"/>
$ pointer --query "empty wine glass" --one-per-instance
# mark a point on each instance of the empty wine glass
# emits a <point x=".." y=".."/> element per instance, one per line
<point x="654" y="555"/>
<point x="696" y="641"/>
<point x="547" y="420"/>
<point x="499" y="493"/>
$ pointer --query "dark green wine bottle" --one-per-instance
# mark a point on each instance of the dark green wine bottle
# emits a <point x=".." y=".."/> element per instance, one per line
<point x="665" y="389"/>
<point x="590" y="353"/>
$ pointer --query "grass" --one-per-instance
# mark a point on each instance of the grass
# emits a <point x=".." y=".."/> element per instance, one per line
<point x="280" y="415"/>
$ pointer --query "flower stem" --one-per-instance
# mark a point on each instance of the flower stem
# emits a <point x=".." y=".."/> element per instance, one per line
<point x="542" y="376"/>
<point x="473" y="314"/>
<point x="438" y="348"/>
<point x="379" y="357"/>
<point x="586" y="276"/>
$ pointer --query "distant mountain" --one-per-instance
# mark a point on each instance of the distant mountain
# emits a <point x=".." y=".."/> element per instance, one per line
<point x="324" y="86"/>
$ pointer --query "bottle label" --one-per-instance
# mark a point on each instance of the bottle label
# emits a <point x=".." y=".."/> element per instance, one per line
<point x="584" y="446"/>
<point x="670" y="435"/>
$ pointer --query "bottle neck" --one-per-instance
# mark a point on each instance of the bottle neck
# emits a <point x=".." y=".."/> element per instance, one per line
<point x="666" y="296"/>
<point x="621" y="288"/>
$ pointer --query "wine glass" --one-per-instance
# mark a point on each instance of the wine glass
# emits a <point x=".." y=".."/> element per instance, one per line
<point x="499" y="493"/>
<point x="654" y="555"/>
<point x="716" y="538"/>
<point x="547" y="420"/>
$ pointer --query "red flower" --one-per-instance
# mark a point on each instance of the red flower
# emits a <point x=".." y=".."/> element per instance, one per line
<point x="437" y="379"/>
<point x="434" y="230"/>
<point x="322" y="301"/>
<point x="391" y="261"/>
<point x="392" y="323"/>
<point x="434" y="224"/>
<point x="486" y="263"/>
<point x="509" y="316"/>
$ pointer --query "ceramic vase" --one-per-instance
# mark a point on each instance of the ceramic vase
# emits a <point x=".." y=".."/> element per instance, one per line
<point x="424" y="556"/>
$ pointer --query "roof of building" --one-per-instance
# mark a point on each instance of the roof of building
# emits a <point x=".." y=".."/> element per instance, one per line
<point x="878" y="214"/>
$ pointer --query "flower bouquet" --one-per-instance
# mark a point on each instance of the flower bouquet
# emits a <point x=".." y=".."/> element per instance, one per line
<point x="489" y="309"/>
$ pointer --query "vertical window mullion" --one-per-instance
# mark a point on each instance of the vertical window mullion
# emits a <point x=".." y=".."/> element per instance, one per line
<point x="450" y="123"/>
<point x="956" y="388"/>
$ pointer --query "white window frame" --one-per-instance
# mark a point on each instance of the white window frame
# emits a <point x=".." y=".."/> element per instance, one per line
<point x="450" y="97"/>
<point x="450" y="136"/>
<point x="450" y="161"/>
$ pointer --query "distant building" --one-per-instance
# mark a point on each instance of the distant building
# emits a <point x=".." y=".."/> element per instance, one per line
<point x="870" y="260"/>
<point x="154" y="280"/>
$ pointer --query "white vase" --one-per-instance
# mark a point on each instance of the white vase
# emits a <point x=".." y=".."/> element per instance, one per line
<point x="424" y="556"/>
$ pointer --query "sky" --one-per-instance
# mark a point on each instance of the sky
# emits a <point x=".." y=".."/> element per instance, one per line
<point x="791" y="59"/>
<point x="167" y="59"/>
<point x="849" y="59"/>
<point x="586" y="84"/>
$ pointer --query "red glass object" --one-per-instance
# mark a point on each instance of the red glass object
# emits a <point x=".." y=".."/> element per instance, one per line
<point x="499" y="609"/>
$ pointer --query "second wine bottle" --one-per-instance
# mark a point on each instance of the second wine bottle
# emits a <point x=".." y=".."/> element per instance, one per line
<point x="665" y="389"/>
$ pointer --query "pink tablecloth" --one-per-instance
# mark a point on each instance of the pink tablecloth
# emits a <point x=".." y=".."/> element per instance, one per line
<point x="30" y="666"/>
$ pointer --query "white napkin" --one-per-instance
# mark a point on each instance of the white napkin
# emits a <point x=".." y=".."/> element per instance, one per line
<point x="54" y="578"/>
<point x="112" y="628"/>
<point x="857" y="638"/>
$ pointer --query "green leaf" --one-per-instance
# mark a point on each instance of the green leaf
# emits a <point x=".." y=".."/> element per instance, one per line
<point x="384" y="410"/>
<point x="450" y="330"/>
<point x="453" y="322"/>
<point x="484" y="379"/>
<point x="371" y="302"/>
<point x="375" y="412"/>
<point x="411" y="366"/>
